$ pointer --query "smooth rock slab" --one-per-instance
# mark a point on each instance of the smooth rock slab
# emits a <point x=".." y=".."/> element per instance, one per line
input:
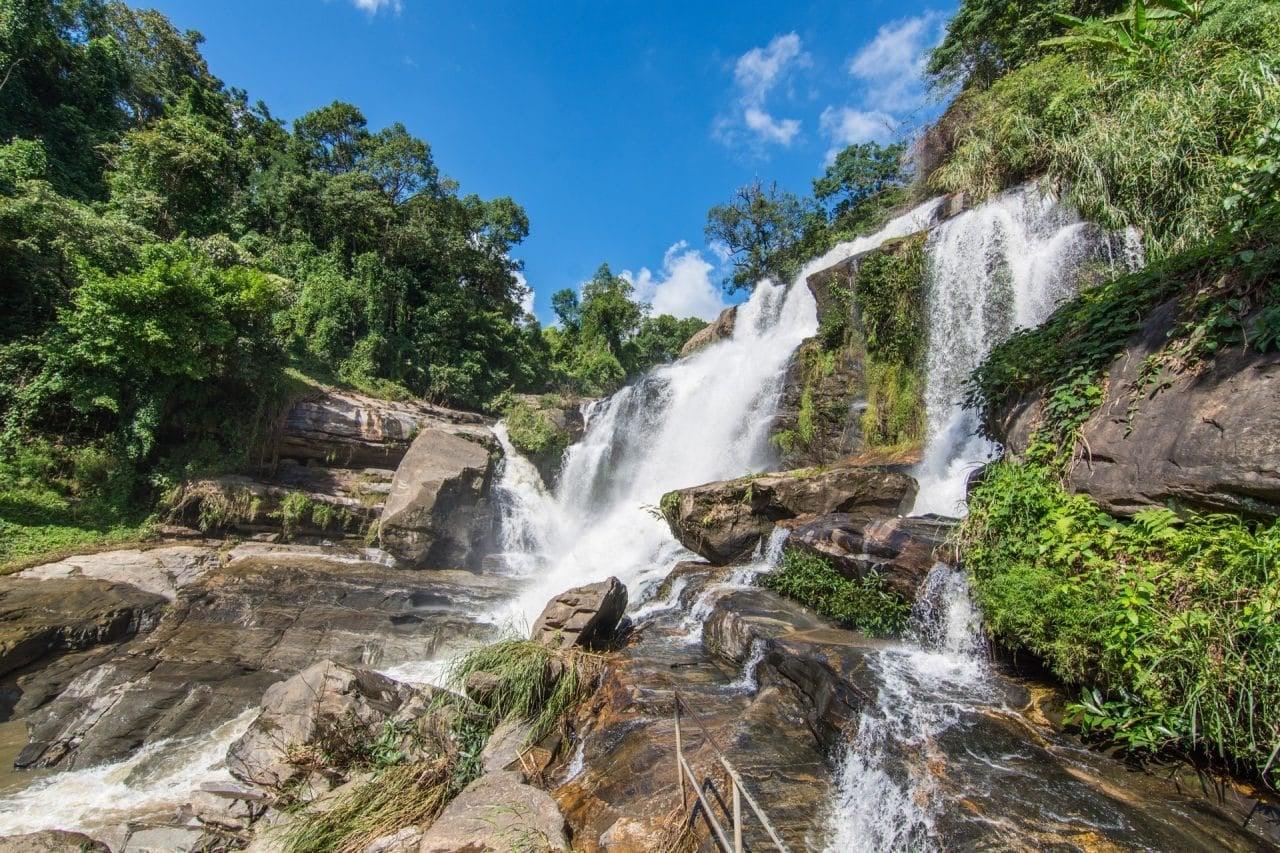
<point x="160" y="571"/>
<point x="498" y="813"/>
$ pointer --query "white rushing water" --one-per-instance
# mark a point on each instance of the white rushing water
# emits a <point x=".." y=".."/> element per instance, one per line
<point x="885" y="786"/>
<point x="703" y="418"/>
<point x="1002" y="266"/>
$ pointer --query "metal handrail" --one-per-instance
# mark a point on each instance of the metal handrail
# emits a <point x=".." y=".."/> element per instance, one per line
<point x="740" y="791"/>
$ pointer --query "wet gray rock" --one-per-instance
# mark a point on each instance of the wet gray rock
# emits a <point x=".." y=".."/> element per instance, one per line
<point x="900" y="550"/>
<point x="583" y="616"/>
<point x="502" y="752"/>
<point x="39" y="618"/>
<point x="52" y="841"/>
<point x="497" y="813"/>
<point x="323" y="701"/>
<point x="437" y="512"/>
<point x="719" y="329"/>
<point x="725" y="522"/>
<point x="230" y="636"/>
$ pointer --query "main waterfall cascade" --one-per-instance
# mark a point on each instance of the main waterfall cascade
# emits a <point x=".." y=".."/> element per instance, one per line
<point x="1002" y="266"/>
<point x="703" y="418"/>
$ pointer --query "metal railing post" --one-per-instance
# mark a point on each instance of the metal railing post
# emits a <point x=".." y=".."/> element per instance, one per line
<point x="737" y="819"/>
<point x="684" y="800"/>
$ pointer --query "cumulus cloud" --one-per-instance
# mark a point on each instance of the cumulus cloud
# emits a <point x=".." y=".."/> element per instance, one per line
<point x="683" y="287"/>
<point x="756" y="74"/>
<point x="891" y="67"/>
<point x="373" y="7"/>
<point x="847" y="126"/>
<point x="526" y="293"/>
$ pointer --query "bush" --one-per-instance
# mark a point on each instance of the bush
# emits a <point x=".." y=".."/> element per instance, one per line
<point x="532" y="432"/>
<point x="862" y="605"/>
<point x="1171" y="623"/>
<point x="1155" y="146"/>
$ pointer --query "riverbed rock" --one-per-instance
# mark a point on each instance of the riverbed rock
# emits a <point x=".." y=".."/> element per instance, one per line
<point x="299" y="502"/>
<point x="583" y="616"/>
<point x="1205" y="439"/>
<point x="497" y="813"/>
<point x="325" y="702"/>
<point x="438" y="510"/>
<point x="719" y="329"/>
<point x="725" y="522"/>
<point x="901" y="550"/>
<point x="43" y="617"/>
<point x="52" y="841"/>
<point x="227" y="638"/>
<point x="160" y="571"/>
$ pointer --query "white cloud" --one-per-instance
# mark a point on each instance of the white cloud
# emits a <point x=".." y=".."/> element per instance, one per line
<point x="847" y="126"/>
<point x="683" y="287"/>
<point x="373" y="7"/>
<point x="756" y="74"/>
<point x="891" y="66"/>
<point x="526" y="293"/>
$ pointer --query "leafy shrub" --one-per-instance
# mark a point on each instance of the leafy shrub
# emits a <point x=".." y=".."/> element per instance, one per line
<point x="532" y="432"/>
<point x="895" y="412"/>
<point x="1171" y="623"/>
<point x="861" y="605"/>
<point x="1156" y="147"/>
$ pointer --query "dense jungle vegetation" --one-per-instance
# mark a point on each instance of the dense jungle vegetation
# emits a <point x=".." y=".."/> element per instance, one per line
<point x="1165" y="117"/>
<point x="176" y="261"/>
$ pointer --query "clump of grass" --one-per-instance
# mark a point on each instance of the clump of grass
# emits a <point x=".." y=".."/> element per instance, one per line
<point x="535" y="684"/>
<point x="862" y="605"/>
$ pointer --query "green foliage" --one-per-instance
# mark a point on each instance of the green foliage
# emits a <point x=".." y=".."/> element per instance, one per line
<point x="1226" y="295"/>
<point x="986" y="38"/>
<point x="1138" y="35"/>
<point x="1254" y="201"/>
<point x="759" y="226"/>
<point x="1169" y="622"/>
<point x="890" y="294"/>
<point x="895" y="412"/>
<point x="537" y="685"/>
<point x="862" y="605"/>
<point x="859" y="174"/>
<point x="532" y="432"/>
<point x="1156" y="144"/>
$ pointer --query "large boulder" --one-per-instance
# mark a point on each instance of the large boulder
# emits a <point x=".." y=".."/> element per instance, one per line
<point x="725" y="522"/>
<point x="348" y="430"/>
<point x="437" y="512"/>
<point x="498" y="813"/>
<point x="719" y="329"/>
<point x="324" y="703"/>
<point x="1206" y="439"/>
<point x="901" y="549"/>
<point x="40" y="617"/>
<point x="582" y="616"/>
<point x="550" y="424"/>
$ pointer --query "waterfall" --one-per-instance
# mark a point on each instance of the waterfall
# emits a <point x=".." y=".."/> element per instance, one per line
<point x="700" y="419"/>
<point x="885" y="797"/>
<point x="1002" y="266"/>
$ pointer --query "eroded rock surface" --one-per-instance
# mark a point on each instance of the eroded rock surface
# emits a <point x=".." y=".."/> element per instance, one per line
<point x="724" y="522"/>
<point x="719" y="329"/>
<point x="438" y="510"/>
<point x="296" y="713"/>
<point x="52" y="841"/>
<point x="1207" y="440"/>
<point x="498" y="813"/>
<point x="901" y="550"/>
<point x="160" y="571"/>
<point x="230" y="636"/>
<point x="583" y="616"/>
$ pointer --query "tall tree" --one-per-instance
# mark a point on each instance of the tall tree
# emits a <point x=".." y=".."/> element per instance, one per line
<point x="758" y="226"/>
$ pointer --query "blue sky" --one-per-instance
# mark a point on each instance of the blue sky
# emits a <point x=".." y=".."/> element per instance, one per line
<point x="616" y="125"/>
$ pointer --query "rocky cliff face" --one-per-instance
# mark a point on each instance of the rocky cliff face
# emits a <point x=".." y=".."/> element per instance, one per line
<point x="1206" y="438"/>
<point x="717" y="330"/>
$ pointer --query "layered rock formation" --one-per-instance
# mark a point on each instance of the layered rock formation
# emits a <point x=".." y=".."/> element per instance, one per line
<point x="725" y="522"/>
<point x="1205" y="438"/>
<point x="719" y="329"/>
<point x="900" y="550"/>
